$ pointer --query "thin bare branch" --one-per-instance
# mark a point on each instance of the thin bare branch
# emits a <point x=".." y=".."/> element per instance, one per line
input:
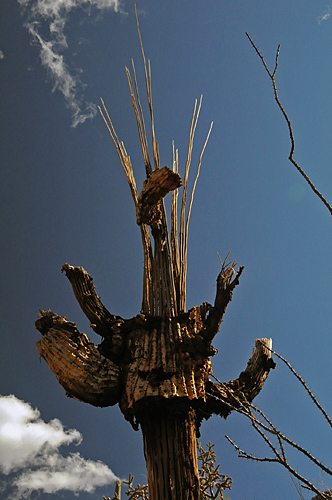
<point x="242" y="454"/>
<point x="270" y="428"/>
<point x="250" y="411"/>
<point x="289" y="125"/>
<point x="300" y="379"/>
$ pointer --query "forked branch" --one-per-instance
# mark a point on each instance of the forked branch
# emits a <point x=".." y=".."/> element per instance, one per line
<point x="272" y="76"/>
<point x="306" y="388"/>
<point x="269" y="433"/>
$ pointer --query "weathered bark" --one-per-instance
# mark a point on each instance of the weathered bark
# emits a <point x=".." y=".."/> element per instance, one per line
<point x="157" y="365"/>
<point x="109" y="326"/>
<point x="155" y="187"/>
<point x="158" y="370"/>
<point x="169" y="436"/>
<point x="168" y="360"/>
<point x="164" y="353"/>
<point x="224" y="398"/>
<point x="102" y="321"/>
<point x="79" y="367"/>
<point x="224" y="294"/>
<point x="155" y="357"/>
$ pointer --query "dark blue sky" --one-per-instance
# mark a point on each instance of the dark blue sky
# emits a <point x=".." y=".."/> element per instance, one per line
<point x="64" y="198"/>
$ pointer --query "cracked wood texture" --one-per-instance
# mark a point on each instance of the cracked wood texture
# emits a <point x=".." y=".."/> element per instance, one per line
<point x="156" y="365"/>
<point x="79" y="367"/>
<point x="158" y="370"/>
<point x="155" y="187"/>
<point x="168" y="360"/>
<point x="169" y="437"/>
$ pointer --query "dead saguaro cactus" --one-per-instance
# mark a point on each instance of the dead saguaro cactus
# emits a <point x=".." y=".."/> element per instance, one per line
<point x="156" y="365"/>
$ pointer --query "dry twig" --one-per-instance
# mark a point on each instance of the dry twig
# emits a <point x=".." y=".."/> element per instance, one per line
<point x="266" y="429"/>
<point x="306" y="388"/>
<point x="289" y="125"/>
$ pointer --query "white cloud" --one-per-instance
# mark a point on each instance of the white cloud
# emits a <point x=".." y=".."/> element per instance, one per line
<point x="2" y="55"/>
<point x="52" y="15"/>
<point x="72" y="473"/>
<point x="29" y="451"/>
<point x="23" y="434"/>
<point x="326" y="15"/>
<point x="63" y="80"/>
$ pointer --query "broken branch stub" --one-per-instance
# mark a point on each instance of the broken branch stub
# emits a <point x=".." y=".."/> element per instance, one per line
<point x="158" y="370"/>
<point x="145" y="357"/>
<point x="155" y="188"/>
<point x="226" y="397"/>
<point x="78" y="365"/>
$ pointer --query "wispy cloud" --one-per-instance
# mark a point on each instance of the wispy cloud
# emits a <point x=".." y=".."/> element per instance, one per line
<point x="325" y="15"/>
<point x="30" y="457"/>
<point x="51" y="16"/>
<point x="2" y="55"/>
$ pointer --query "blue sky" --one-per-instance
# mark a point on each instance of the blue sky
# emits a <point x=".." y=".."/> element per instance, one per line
<point x="64" y="198"/>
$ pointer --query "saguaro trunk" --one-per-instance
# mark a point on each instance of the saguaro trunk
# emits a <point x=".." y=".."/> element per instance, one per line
<point x="156" y="365"/>
<point x="158" y="371"/>
<point x="170" y="454"/>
